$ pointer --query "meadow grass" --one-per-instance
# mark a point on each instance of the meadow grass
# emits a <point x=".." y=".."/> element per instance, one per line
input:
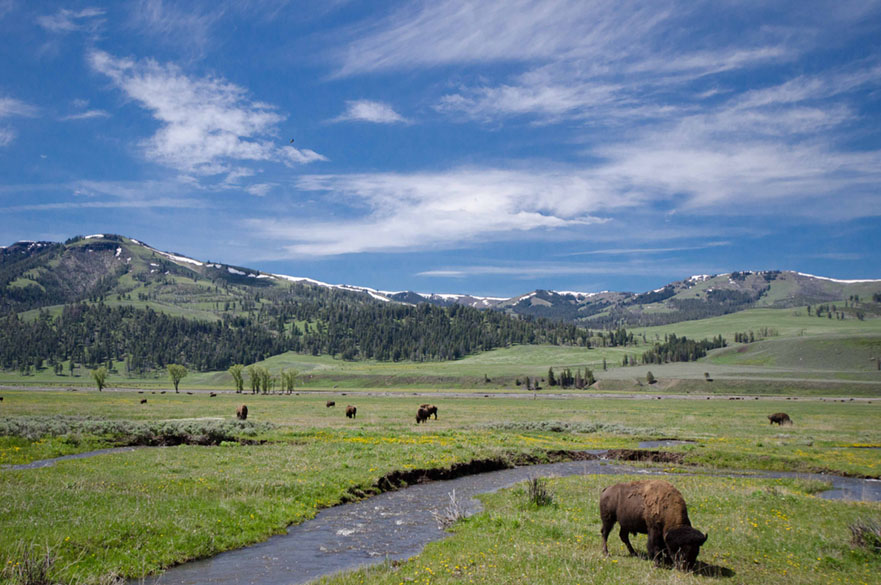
<point x="132" y="513"/>
<point x="760" y="531"/>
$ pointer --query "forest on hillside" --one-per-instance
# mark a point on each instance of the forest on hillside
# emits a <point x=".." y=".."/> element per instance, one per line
<point x="93" y="334"/>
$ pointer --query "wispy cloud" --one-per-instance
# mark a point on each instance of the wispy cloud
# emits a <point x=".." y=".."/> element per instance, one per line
<point x="664" y="250"/>
<point x="65" y="20"/>
<point x="108" y="195"/>
<point x="173" y="25"/>
<point x="87" y="115"/>
<point x="208" y="125"/>
<point x="370" y="111"/>
<point x="542" y="270"/>
<point x="449" y="209"/>
<point x="11" y="107"/>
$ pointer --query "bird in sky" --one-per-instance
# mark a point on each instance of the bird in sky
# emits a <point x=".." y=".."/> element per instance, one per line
<point x="292" y="141"/>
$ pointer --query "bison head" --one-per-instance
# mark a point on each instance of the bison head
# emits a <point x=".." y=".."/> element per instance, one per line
<point x="684" y="544"/>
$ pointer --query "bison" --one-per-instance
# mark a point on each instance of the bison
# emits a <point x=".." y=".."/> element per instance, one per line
<point x="656" y="508"/>
<point x="781" y="418"/>
<point x="431" y="408"/>
<point x="143" y="401"/>
<point x="242" y="412"/>
<point x="422" y="415"/>
<point x="330" y="403"/>
<point x="351" y="411"/>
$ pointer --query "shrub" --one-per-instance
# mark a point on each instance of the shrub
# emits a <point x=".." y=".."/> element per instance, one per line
<point x="866" y="534"/>
<point x="538" y="493"/>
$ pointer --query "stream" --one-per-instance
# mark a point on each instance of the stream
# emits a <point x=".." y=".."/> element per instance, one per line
<point x="396" y="525"/>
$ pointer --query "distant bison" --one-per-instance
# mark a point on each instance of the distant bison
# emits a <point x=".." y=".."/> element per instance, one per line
<point x="212" y="395"/>
<point x="351" y="411"/>
<point x="431" y="408"/>
<point x="656" y="508"/>
<point x="143" y="401"/>
<point x="422" y="415"/>
<point x="781" y="418"/>
<point x="330" y="403"/>
<point x="242" y="412"/>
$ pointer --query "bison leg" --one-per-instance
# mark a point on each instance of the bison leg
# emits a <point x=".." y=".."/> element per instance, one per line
<point x="625" y="538"/>
<point x="608" y="523"/>
<point x="655" y="551"/>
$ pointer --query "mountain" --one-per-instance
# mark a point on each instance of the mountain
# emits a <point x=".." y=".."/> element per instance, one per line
<point x="108" y="299"/>
<point x="42" y="274"/>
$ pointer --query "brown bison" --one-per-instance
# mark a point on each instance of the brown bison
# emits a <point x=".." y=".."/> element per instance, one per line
<point x="330" y="403"/>
<point x="781" y="418"/>
<point x="422" y="415"/>
<point x="351" y="411"/>
<point x="143" y="401"/>
<point x="431" y="408"/>
<point x="212" y="395"/>
<point x="242" y="412"/>
<point x="656" y="508"/>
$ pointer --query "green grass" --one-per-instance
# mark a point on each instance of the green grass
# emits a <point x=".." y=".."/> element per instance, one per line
<point x="760" y="531"/>
<point x="133" y="513"/>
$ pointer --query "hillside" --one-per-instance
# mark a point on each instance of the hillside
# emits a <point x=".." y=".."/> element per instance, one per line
<point x="108" y="299"/>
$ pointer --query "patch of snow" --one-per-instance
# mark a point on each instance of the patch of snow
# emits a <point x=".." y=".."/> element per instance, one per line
<point x="177" y="258"/>
<point x="215" y="265"/>
<point x="153" y="264"/>
<point x="232" y="270"/>
<point x="837" y="279"/>
<point x="118" y="252"/>
<point x="265" y="276"/>
<point x="378" y="297"/>
<point x="252" y="276"/>
<point x="137" y="242"/>
<point x="577" y="294"/>
<point x="700" y="277"/>
<point x="94" y="236"/>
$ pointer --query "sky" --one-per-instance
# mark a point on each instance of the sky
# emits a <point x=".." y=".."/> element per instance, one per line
<point x="451" y="146"/>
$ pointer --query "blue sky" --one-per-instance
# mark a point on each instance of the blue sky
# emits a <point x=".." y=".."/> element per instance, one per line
<point x="451" y="146"/>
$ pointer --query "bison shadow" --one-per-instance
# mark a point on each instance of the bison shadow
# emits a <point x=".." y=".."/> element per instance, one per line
<point x="700" y="567"/>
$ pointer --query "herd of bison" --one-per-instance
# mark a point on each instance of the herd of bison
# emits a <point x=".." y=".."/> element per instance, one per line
<point x="651" y="507"/>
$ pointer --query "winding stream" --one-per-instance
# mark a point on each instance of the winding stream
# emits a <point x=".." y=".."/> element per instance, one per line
<point x="397" y="525"/>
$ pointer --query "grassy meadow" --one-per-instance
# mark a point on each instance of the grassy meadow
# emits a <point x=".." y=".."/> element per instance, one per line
<point x="772" y="531"/>
<point x="130" y="514"/>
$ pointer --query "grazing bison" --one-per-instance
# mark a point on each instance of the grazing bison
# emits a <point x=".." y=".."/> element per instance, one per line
<point x="330" y="403"/>
<point x="212" y="395"/>
<point x="351" y="411"/>
<point x="242" y="412"/>
<point x="422" y="415"/>
<point x="656" y="508"/>
<point x="143" y="401"/>
<point x="781" y="418"/>
<point x="431" y="408"/>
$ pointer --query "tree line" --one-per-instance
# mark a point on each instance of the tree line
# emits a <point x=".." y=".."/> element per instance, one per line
<point x="95" y="334"/>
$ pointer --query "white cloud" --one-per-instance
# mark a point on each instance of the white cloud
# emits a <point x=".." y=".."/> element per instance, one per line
<point x="207" y="124"/>
<point x="172" y="25"/>
<point x="87" y="115"/>
<point x="401" y="212"/>
<point x="370" y="111"/>
<point x="460" y="31"/>
<point x="12" y="107"/>
<point x="7" y="136"/>
<point x="65" y="20"/>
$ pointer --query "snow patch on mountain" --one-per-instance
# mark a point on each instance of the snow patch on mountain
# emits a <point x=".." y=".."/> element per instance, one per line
<point x="837" y="279"/>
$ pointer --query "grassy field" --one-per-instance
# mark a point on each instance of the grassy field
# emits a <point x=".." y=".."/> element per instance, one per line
<point x="132" y="513"/>
<point x="758" y="532"/>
